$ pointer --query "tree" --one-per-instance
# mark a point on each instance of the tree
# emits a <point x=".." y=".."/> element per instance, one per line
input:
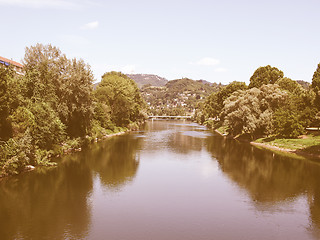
<point x="265" y="75"/>
<point x="316" y="86"/>
<point x="75" y="106"/>
<point x="301" y="102"/>
<point x="215" y="102"/>
<point x="122" y="95"/>
<point x="41" y="121"/>
<point x="44" y="66"/>
<point x="251" y="111"/>
<point x="286" y="122"/>
<point x="291" y="86"/>
<point x="5" y="128"/>
<point x="66" y="85"/>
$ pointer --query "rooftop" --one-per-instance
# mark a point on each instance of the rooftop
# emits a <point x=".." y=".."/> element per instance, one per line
<point x="5" y="60"/>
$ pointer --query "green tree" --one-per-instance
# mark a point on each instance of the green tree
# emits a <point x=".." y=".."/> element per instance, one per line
<point x="122" y="95"/>
<point x="265" y="75"/>
<point x="41" y="121"/>
<point x="316" y="86"/>
<point x="287" y="123"/>
<point x="75" y="105"/>
<point x="66" y="85"/>
<point x="45" y="67"/>
<point x="301" y="102"/>
<point x="6" y="74"/>
<point x="214" y="103"/>
<point x="291" y="86"/>
<point x="251" y="111"/>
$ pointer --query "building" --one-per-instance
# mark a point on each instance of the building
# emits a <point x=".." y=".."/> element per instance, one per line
<point x="18" y="67"/>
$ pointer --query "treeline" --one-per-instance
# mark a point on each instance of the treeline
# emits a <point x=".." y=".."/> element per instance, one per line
<point x="271" y="105"/>
<point x="53" y="108"/>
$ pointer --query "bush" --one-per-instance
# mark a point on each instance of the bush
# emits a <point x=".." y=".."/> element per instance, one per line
<point x="42" y="157"/>
<point x="15" y="154"/>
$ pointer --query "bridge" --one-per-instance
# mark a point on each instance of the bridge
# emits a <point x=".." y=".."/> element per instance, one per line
<point x="169" y="117"/>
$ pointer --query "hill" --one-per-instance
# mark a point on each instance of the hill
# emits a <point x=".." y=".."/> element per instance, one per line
<point x="186" y="84"/>
<point x="148" y="79"/>
<point x="304" y="84"/>
<point x="177" y="97"/>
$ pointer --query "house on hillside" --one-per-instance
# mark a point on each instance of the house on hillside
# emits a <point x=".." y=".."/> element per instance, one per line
<point x="18" y="67"/>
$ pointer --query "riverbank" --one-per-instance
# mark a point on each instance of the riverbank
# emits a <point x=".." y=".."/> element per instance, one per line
<point x="222" y="131"/>
<point x="65" y="150"/>
<point x="305" y="145"/>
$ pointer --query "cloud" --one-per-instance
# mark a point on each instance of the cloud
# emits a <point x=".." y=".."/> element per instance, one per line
<point x="207" y="61"/>
<point x="64" y="4"/>
<point x="220" y="69"/>
<point x="90" y="25"/>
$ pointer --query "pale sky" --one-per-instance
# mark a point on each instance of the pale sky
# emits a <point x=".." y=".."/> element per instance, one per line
<point x="219" y="41"/>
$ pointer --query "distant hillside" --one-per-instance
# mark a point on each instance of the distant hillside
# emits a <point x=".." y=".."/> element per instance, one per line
<point x="304" y="84"/>
<point x="178" y="97"/>
<point x="186" y="84"/>
<point x="148" y="79"/>
<point x="204" y="82"/>
<point x="95" y="85"/>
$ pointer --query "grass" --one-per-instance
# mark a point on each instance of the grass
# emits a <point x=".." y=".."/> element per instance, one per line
<point x="222" y="130"/>
<point x="308" y="144"/>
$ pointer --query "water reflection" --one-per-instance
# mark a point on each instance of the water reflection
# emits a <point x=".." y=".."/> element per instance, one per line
<point x="47" y="204"/>
<point x="178" y="137"/>
<point x="55" y="204"/>
<point x="116" y="160"/>
<point x="269" y="178"/>
<point x="171" y="180"/>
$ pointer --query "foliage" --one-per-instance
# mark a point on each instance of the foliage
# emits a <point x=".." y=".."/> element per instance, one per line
<point x="291" y="86"/>
<point x="123" y="97"/>
<point x="51" y="109"/>
<point x="66" y="85"/>
<point x="251" y="111"/>
<point x="75" y="97"/>
<point x="47" y="129"/>
<point x="301" y="103"/>
<point x="316" y="86"/>
<point x="287" y="123"/>
<point x="265" y="75"/>
<point x="214" y="103"/>
<point x="5" y="128"/>
<point x="15" y="154"/>
<point x="42" y="157"/>
<point x="283" y="107"/>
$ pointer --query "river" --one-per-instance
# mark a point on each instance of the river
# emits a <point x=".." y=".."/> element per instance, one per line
<point x="171" y="180"/>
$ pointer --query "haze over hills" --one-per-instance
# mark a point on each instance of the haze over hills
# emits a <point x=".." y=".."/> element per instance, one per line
<point x="145" y="79"/>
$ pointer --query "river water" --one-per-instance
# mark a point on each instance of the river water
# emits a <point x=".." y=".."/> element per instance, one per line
<point x="171" y="180"/>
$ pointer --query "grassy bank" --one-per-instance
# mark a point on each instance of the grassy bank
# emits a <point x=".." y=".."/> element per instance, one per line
<point x="306" y="144"/>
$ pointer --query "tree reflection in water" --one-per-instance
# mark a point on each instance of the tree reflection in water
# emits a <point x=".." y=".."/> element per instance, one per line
<point x="53" y="204"/>
<point x="115" y="160"/>
<point x="54" y="201"/>
<point x="269" y="177"/>
<point x="56" y="204"/>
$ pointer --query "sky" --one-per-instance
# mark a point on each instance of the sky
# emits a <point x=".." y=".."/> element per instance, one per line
<point x="218" y="41"/>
